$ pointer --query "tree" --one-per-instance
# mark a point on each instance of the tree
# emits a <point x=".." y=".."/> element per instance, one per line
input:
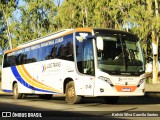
<point x="155" y="40"/>
<point x="145" y="19"/>
<point x="36" y="20"/>
<point x="7" y="7"/>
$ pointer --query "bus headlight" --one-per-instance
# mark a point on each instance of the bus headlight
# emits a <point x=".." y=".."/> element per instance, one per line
<point x="106" y="79"/>
<point x="141" y="81"/>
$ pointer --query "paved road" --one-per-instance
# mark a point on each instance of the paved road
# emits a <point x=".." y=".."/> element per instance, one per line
<point x="145" y="107"/>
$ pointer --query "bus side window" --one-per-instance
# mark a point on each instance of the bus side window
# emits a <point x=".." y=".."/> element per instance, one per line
<point x="24" y="58"/>
<point x="46" y="52"/>
<point x="62" y="51"/>
<point x="11" y="61"/>
<point x="79" y="57"/>
<point x="70" y="51"/>
<point x="18" y="59"/>
<point x="54" y="52"/>
<point x="69" y="47"/>
<point x="5" y="62"/>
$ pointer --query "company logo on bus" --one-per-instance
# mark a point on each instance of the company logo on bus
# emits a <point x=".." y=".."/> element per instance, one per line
<point x="51" y="66"/>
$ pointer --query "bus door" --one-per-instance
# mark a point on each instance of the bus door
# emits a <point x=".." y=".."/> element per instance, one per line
<point x="88" y="68"/>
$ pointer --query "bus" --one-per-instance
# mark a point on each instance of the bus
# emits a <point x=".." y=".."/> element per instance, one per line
<point x="81" y="62"/>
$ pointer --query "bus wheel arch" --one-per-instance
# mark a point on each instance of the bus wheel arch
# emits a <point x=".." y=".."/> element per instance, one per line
<point x="71" y="96"/>
<point x="66" y="81"/>
<point x="16" y="94"/>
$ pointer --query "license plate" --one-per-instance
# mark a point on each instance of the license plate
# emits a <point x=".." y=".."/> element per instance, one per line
<point x="126" y="89"/>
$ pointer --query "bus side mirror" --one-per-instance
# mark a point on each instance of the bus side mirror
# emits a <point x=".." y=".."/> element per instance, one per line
<point x="99" y="42"/>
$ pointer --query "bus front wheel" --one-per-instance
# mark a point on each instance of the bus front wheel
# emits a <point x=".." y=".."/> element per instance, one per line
<point x="16" y="94"/>
<point x="71" y="96"/>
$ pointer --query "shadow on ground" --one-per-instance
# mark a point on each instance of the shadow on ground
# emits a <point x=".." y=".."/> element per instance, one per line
<point x="16" y="110"/>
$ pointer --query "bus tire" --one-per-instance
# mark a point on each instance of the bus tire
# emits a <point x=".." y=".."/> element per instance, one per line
<point x="71" y="96"/>
<point x="46" y="96"/>
<point x="111" y="99"/>
<point x="16" y="94"/>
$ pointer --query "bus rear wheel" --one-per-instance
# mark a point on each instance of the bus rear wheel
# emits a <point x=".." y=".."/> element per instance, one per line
<point x="111" y="99"/>
<point x="71" y="96"/>
<point x="16" y="94"/>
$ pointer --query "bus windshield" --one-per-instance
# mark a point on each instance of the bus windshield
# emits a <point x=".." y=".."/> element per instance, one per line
<point x="121" y="54"/>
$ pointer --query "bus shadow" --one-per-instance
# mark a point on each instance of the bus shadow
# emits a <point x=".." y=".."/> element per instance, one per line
<point x="122" y="100"/>
<point x="17" y="112"/>
<point x="98" y="101"/>
<point x="139" y="100"/>
<point x="126" y="100"/>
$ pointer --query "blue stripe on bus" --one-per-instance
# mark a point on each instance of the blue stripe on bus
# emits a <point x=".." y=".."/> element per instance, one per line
<point x="23" y="82"/>
<point x="4" y="90"/>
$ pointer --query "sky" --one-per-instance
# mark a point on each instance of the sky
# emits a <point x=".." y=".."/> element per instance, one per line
<point x="17" y="12"/>
<point x="21" y="2"/>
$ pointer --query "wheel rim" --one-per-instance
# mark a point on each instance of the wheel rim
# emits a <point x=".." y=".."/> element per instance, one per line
<point x="71" y="92"/>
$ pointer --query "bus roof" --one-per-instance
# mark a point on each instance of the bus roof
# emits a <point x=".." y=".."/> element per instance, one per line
<point x="56" y="35"/>
<point x="42" y="39"/>
<point x="49" y="37"/>
<point x="46" y="38"/>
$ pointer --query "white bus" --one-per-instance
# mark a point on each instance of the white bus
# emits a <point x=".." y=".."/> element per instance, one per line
<point x="82" y="62"/>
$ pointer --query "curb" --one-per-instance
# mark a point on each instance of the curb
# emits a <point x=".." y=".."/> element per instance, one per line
<point x="155" y="88"/>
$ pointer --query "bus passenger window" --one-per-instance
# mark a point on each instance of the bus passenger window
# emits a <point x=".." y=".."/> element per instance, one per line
<point x="54" y="52"/>
<point x="70" y="51"/>
<point x="62" y="51"/>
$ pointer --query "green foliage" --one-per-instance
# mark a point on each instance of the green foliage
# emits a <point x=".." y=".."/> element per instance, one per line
<point x="6" y="9"/>
<point x="36" y="20"/>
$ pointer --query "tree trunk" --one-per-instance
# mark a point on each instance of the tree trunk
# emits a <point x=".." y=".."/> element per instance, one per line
<point x="155" y="57"/>
<point x="155" y="40"/>
<point x="8" y="31"/>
